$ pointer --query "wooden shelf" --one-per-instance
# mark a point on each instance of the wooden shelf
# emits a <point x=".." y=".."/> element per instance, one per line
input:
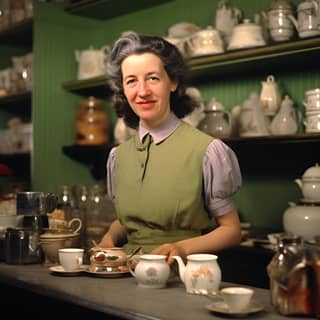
<point x="19" y="34"/>
<point x="19" y="103"/>
<point x="281" y="55"/>
<point x="232" y="62"/>
<point x="106" y="9"/>
<point x="94" y="157"/>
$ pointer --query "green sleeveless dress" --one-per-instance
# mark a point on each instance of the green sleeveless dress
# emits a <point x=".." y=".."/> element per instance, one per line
<point x="159" y="188"/>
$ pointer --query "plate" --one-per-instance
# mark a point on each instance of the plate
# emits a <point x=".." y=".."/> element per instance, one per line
<point x="220" y="307"/>
<point x="58" y="270"/>
<point x="107" y="274"/>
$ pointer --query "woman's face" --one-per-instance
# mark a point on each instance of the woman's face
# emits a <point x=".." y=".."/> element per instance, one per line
<point x="147" y="88"/>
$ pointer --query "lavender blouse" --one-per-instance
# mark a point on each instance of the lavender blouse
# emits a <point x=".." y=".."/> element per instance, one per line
<point x="221" y="172"/>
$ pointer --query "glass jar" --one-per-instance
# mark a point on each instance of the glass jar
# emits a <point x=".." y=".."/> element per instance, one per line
<point x="294" y="277"/>
<point x="92" y="123"/>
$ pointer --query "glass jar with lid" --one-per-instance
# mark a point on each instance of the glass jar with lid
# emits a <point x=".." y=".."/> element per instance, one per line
<point x="92" y="123"/>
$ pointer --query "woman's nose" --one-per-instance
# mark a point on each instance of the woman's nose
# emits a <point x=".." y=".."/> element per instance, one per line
<point x="143" y="89"/>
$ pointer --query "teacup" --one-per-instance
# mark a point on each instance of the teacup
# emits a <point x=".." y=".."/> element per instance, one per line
<point x="151" y="271"/>
<point x="71" y="259"/>
<point x="237" y="298"/>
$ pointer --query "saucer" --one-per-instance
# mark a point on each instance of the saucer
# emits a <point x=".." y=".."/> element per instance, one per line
<point x="220" y="307"/>
<point x="309" y="201"/>
<point x="107" y="274"/>
<point x="58" y="270"/>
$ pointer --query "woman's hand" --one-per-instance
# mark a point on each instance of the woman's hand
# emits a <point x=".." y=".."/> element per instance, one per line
<point x="170" y="250"/>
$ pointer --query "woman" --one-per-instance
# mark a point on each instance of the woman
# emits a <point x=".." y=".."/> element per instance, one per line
<point x="170" y="181"/>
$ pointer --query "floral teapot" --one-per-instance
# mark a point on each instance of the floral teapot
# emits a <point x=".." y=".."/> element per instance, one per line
<point x="201" y="274"/>
<point x="91" y="62"/>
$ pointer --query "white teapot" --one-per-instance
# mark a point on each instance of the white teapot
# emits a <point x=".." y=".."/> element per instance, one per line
<point x="310" y="184"/>
<point x="201" y="274"/>
<point x="270" y="96"/>
<point x="91" y="62"/>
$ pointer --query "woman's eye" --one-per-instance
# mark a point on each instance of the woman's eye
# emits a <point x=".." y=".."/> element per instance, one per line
<point x="130" y="81"/>
<point x="153" y="78"/>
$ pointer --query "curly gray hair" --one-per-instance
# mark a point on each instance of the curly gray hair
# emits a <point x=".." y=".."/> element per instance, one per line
<point x="133" y="43"/>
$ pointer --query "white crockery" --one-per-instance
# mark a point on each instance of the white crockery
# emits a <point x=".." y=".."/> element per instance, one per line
<point x="152" y="271"/>
<point x="201" y="274"/>
<point x="237" y="298"/>
<point x="71" y="259"/>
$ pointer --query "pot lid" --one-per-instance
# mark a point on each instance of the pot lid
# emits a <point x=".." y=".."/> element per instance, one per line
<point x="312" y="172"/>
<point x="280" y="4"/>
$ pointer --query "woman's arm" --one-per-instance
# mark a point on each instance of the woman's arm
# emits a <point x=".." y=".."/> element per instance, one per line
<point x="227" y="234"/>
<point x="115" y="235"/>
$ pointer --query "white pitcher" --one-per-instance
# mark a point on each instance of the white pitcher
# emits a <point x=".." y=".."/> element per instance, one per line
<point x="270" y="96"/>
<point x="201" y="274"/>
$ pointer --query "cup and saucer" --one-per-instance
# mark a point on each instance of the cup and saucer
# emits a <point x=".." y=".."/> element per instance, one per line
<point x="234" y="302"/>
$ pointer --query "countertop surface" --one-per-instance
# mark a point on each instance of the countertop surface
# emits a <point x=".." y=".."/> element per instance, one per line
<point x="121" y="297"/>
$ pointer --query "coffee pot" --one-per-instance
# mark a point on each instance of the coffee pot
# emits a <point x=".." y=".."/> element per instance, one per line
<point x="201" y="274"/>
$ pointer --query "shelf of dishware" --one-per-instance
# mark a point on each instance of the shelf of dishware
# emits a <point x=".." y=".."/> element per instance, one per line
<point x="106" y="9"/>
<point x="232" y="61"/>
<point x="20" y="33"/>
<point x="17" y="103"/>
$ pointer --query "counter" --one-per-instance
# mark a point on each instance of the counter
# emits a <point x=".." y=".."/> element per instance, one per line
<point x="27" y="288"/>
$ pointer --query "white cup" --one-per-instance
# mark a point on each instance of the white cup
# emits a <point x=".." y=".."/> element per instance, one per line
<point x="237" y="298"/>
<point x="71" y="259"/>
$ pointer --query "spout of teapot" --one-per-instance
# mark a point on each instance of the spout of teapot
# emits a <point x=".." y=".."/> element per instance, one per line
<point x="298" y="182"/>
<point x="181" y="266"/>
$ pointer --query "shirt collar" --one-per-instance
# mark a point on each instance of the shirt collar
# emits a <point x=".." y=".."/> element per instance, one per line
<point x="161" y="132"/>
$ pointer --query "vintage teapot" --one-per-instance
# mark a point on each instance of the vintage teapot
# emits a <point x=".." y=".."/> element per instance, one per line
<point x="216" y="122"/>
<point x="91" y="62"/>
<point x="201" y="274"/>
<point x="310" y="184"/>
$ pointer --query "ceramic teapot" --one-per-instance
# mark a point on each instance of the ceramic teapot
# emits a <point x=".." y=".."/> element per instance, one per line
<point x="307" y="22"/>
<point x="201" y="274"/>
<point x="91" y="62"/>
<point x="285" y="121"/>
<point x="279" y="24"/>
<point x="310" y="184"/>
<point x="206" y="41"/>
<point x="302" y="220"/>
<point x="216" y="122"/>
<point x="227" y="17"/>
<point x="270" y="96"/>
<point x="152" y="271"/>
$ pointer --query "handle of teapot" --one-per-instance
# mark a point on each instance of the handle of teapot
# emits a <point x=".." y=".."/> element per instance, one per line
<point x="294" y="21"/>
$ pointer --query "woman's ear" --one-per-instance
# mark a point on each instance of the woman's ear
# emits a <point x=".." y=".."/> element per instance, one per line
<point x="174" y="86"/>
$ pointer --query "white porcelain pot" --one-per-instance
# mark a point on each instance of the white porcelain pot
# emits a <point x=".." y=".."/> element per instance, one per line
<point x="302" y="220"/>
<point x="201" y="274"/>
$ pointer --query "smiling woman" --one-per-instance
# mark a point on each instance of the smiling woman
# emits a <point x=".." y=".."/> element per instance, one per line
<point x="170" y="182"/>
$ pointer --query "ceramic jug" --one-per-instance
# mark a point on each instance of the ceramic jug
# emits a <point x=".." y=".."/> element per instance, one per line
<point x="91" y="62"/>
<point x="285" y="121"/>
<point x="227" y="17"/>
<point x="307" y="22"/>
<point x="201" y="274"/>
<point x="152" y="271"/>
<point x="270" y="96"/>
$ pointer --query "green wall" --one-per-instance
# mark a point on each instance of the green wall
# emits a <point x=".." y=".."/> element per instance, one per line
<point x="57" y="34"/>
